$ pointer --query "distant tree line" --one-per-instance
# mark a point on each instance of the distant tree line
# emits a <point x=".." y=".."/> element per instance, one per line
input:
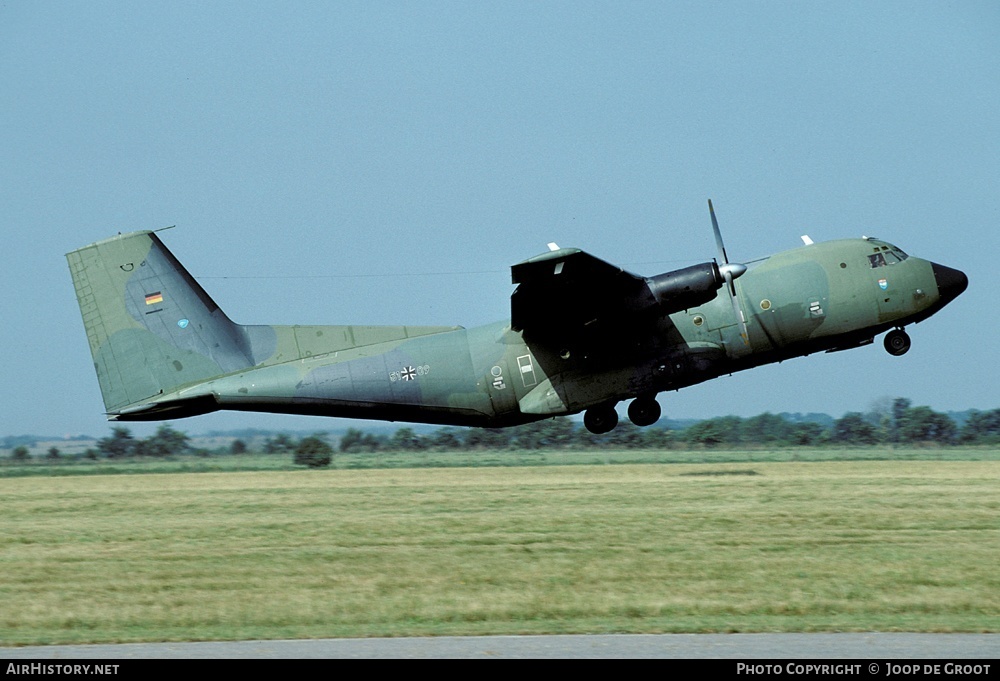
<point x="889" y="422"/>
<point x="122" y="445"/>
<point x="895" y="422"/>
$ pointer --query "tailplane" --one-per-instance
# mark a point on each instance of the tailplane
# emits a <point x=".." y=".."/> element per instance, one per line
<point x="152" y="328"/>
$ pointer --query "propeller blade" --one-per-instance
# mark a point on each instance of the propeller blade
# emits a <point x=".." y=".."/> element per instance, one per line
<point x="718" y="235"/>
<point x="730" y="271"/>
<point x="737" y="310"/>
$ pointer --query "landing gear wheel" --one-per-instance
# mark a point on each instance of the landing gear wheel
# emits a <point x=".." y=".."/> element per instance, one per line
<point x="644" y="411"/>
<point x="897" y="342"/>
<point x="600" y="420"/>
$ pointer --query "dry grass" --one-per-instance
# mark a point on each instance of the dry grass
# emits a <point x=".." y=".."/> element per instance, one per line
<point x="852" y="546"/>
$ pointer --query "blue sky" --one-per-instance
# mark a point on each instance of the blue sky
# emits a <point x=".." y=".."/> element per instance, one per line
<point x="386" y="162"/>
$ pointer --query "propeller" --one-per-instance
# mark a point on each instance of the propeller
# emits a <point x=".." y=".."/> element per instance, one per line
<point x="730" y="271"/>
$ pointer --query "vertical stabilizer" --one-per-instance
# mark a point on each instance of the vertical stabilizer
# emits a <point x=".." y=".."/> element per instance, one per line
<point x="152" y="328"/>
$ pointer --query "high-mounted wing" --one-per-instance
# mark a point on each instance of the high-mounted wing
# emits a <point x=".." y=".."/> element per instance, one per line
<point x="567" y="292"/>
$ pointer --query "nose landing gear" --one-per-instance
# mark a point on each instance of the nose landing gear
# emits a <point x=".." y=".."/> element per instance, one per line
<point x="897" y="342"/>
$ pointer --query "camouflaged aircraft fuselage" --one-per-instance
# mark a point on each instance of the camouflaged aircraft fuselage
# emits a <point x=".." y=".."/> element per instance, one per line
<point x="584" y="335"/>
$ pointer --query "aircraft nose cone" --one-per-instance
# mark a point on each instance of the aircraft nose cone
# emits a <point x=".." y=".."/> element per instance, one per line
<point x="950" y="282"/>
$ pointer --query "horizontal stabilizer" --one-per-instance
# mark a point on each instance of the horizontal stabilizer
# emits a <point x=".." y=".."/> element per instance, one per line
<point x="167" y="409"/>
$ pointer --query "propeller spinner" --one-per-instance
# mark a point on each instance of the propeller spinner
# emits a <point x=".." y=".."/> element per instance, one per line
<point x="730" y="271"/>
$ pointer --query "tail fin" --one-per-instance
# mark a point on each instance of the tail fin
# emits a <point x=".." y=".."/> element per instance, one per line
<point x="152" y="328"/>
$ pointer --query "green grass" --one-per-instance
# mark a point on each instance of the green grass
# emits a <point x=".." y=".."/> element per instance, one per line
<point x="747" y="546"/>
<point x="488" y="458"/>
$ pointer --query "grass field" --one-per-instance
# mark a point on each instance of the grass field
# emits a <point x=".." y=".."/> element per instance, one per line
<point x="754" y="546"/>
<point x="488" y="458"/>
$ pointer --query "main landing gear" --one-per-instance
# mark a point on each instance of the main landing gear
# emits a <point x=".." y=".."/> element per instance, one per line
<point x="601" y="419"/>
<point x="644" y="411"/>
<point x="897" y="342"/>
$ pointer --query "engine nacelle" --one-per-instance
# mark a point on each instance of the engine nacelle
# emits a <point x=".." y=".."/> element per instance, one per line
<point x="687" y="287"/>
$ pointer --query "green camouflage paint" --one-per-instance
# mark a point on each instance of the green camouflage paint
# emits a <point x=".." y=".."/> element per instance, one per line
<point x="586" y="335"/>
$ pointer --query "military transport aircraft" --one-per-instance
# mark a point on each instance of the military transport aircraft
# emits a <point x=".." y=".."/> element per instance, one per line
<point x="583" y="336"/>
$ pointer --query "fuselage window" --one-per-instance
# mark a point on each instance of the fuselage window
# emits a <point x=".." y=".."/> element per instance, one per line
<point x="877" y="260"/>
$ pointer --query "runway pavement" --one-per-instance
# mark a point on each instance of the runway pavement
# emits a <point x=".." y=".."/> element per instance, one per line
<point x="866" y="646"/>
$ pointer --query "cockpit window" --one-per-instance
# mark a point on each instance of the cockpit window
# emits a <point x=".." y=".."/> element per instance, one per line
<point x="887" y="256"/>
